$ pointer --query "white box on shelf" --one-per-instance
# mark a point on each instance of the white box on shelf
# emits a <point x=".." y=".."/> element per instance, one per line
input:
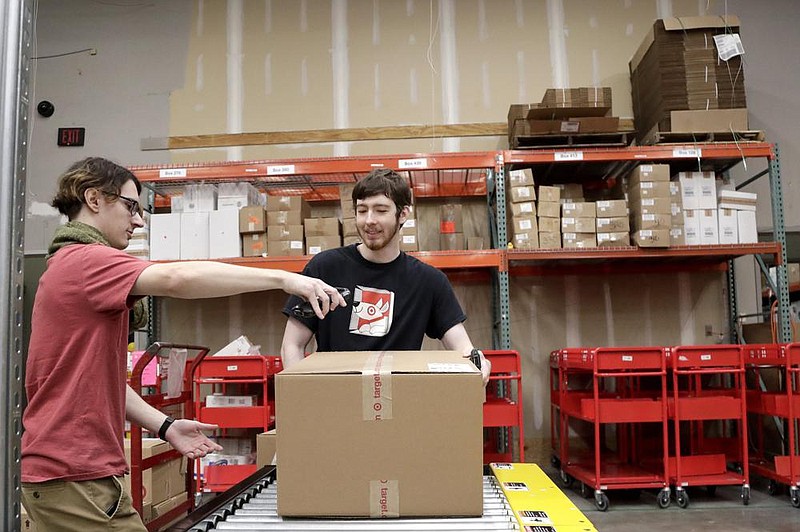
<point x="728" y="226"/>
<point x="691" y="228"/>
<point x="194" y="235"/>
<point x="165" y="236"/>
<point x="223" y="234"/>
<point x="748" y="231"/>
<point x="709" y="226"/>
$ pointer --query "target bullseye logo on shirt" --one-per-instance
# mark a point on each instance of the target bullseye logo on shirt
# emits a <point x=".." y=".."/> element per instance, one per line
<point x="372" y="310"/>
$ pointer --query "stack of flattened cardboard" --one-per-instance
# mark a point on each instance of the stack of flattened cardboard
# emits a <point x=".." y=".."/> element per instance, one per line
<point x="571" y="111"/>
<point x="681" y="84"/>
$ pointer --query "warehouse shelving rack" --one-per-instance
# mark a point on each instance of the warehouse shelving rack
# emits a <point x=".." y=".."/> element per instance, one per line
<point x="708" y="387"/>
<point x="502" y="410"/>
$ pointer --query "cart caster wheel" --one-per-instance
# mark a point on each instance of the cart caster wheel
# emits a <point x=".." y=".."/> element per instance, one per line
<point x="712" y="490"/>
<point x="566" y="479"/>
<point x="585" y="491"/>
<point x="773" y="488"/>
<point x="745" y="495"/>
<point x="663" y="498"/>
<point x="795" y="499"/>
<point x="682" y="498"/>
<point x="555" y="462"/>
<point x="601" y="501"/>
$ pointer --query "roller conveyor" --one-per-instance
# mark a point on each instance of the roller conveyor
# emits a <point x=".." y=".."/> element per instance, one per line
<point x="252" y="506"/>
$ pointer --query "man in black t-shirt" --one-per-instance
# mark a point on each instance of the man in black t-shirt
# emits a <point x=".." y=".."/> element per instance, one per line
<point x="396" y="299"/>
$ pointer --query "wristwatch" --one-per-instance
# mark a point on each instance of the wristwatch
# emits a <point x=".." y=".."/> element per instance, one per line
<point x="162" y="432"/>
<point x="475" y="357"/>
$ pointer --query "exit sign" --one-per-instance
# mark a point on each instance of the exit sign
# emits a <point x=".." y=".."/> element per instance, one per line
<point x="71" y="136"/>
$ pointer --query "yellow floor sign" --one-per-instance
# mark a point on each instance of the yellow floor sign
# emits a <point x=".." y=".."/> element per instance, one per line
<point x="538" y="504"/>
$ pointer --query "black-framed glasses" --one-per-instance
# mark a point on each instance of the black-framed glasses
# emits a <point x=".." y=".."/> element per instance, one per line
<point x="133" y="205"/>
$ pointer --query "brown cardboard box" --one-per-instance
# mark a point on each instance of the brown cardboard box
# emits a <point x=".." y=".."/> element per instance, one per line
<point x="346" y="200"/>
<point x="547" y="193"/>
<point x="652" y="238"/>
<point x="316" y="244"/>
<point x="346" y="241"/>
<point x="285" y="232"/>
<point x="157" y="510"/>
<point x="286" y="217"/>
<point x="662" y="205"/>
<point x="520" y="178"/>
<point x="451" y="241"/>
<point x="617" y="238"/>
<point x="286" y="203"/>
<point x="579" y="240"/>
<point x="647" y="189"/>
<point x="548" y="209"/>
<point x="252" y="219"/>
<point x="549" y="240"/>
<point x="355" y="441"/>
<point x="649" y="172"/>
<point x="611" y="208"/>
<point x="322" y="227"/>
<point x="676" y="236"/>
<point x="522" y="224"/>
<point x="651" y="221"/>
<point x="266" y="445"/>
<point x="522" y="194"/>
<point x="162" y="481"/>
<point x="526" y="208"/>
<point x="578" y="209"/>
<point x="285" y="248"/>
<point x="450" y="219"/>
<point x="578" y="225"/>
<point x="254" y="244"/>
<point x="705" y="120"/>
<point x="613" y="225"/>
<point x="409" y="227"/>
<point x="526" y="240"/>
<point x="549" y="225"/>
<point x="409" y="242"/>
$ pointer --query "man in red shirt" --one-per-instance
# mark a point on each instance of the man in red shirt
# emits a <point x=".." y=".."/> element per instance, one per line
<point x="78" y="398"/>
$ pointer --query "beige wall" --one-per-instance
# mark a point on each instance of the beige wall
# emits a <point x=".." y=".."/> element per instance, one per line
<point x="185" y="67"/>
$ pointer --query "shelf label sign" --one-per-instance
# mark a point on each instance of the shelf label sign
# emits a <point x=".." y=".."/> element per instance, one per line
<point x="171" y="173"/>
<point x="568" y="156"/>
<point x="280" y="169"/>
<point x="410" y="164"/>
<point x="627" y="358"/>
<point x="687" y="152"/>
<point x="232" y="368"/>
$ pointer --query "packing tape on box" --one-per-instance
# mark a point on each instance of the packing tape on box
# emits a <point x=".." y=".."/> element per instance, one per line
<point x="384" y="498"/>
<point x="376" y="386"/>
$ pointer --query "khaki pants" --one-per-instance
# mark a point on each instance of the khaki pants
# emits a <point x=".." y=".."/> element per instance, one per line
<point x="84" y="506"/>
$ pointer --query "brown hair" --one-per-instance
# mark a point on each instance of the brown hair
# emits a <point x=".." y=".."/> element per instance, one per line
<point x="92" y="172"/>
<point x="387" y="182"/>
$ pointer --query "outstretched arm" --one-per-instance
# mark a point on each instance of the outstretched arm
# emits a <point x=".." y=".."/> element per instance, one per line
<point x="184" y="434"/>
<point x="457" y="339"/>
<point x="205" y="279"/>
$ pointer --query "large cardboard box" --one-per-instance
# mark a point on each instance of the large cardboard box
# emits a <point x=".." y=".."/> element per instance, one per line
<point x="380" y="434"/>
<point x="266" y="447"/>
<point x="715" y="120"/>
<point x="322" y="227"/>
<point x="252" y="219"/>
<point x="162" y="481"/>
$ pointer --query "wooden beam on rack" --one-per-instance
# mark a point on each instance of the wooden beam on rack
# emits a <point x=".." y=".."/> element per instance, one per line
<point x="487" y="129"/>
<point x="222" y="140"/>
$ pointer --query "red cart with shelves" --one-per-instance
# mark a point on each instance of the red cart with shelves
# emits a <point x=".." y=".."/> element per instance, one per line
<point x="502" y="411"/>
<point x="626" y="394"/>
<point x="160" y="400"/>
<point x="708" y="412"/>
<point x="773" y="404"/>
<point x="244" y="376"/>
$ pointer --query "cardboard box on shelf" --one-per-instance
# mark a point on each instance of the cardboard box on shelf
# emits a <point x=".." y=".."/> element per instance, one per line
<point x="285" y="232"/>
<point x="317" y="244"/>
<point x="286" y="217"/>
<point x="521" y="224"/>
<point x="549" y="225"/>
<point x="549" y="240"/>
<point x="451" y="241"/>
<point x="579" y="240"/>
<point x="649" y="172"/>
<point x="409" y="242"/>
<point x="578" y="225"/>
<point x="194" y="235"/>
<point x="728" y="226"/>
<point x="581" y="209"/>
<point x="548" y="209"/>
<point x="252" y="219"/>
<point x="611" y="208"/>
<point x="651" y="221"/>
<point x="709" y="120"/>
<point x="647" y="189"/>
<point x="157" y="510"/>
<point x="525" y="240"/>
<point x="661" y="205"/>
<point x="346" y="200"/>
<point x="652" y="238"/>
<point x="709" y="226"/>
<point x="520" y="178"/>
<point x="223" y="234"/>
<point x="677" y="236"/>
<point x="162" y="481"/>
<point x="286" y="203"/>
<point x="266" y="446"/>
<point x="571" y="193"/>
<point x="741" y="201"/>
<point x="548" y="193"/>
<point x="522" y="194"/>
<point x="322" y="227"/>
<point x="691" y="228"/>
<point x="348" y="240"/>
<point x="613" y="225"/>
<point x="254" y="244"/>
<point x="351" y="421"/>
<point x="748" y="231"/>
<point x="349" y="226"/>
<point x="165" y="236"/>
<point x="285" y="248"/>
<point x="526" y="208"/>
<point x="616" y="238"/>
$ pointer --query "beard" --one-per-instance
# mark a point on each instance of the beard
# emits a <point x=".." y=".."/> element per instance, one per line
<point x="378" y="244"/>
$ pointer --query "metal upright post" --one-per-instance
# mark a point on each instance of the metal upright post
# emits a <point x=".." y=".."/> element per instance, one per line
<point x="779" y="234"/>
<point x="16" y="27"/>
<point x="502" y="312"/>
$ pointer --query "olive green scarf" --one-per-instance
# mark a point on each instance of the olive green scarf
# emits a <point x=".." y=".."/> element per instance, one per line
<point x="80" y="233"/>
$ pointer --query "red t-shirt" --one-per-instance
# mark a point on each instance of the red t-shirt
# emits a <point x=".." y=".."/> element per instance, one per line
<point x="76" y="368"/>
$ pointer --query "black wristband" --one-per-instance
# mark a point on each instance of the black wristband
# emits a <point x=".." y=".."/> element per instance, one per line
<point x="162" y="432"/>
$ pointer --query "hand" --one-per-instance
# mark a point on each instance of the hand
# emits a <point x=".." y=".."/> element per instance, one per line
<point x="323" y="298"/>
<point x="186" y="437"/>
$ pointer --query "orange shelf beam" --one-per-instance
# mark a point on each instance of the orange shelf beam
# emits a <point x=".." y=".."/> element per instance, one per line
<point x="719" y="252"/>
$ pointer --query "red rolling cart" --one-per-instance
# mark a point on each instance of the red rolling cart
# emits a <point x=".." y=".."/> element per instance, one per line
<point x="708" y="411"/>
<point x="159" y="399"/>
<point x="555" y="411"/>
<point x="773" y="402"/>
<point x="628" y="399"/>
<point x="502" y="411"/>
